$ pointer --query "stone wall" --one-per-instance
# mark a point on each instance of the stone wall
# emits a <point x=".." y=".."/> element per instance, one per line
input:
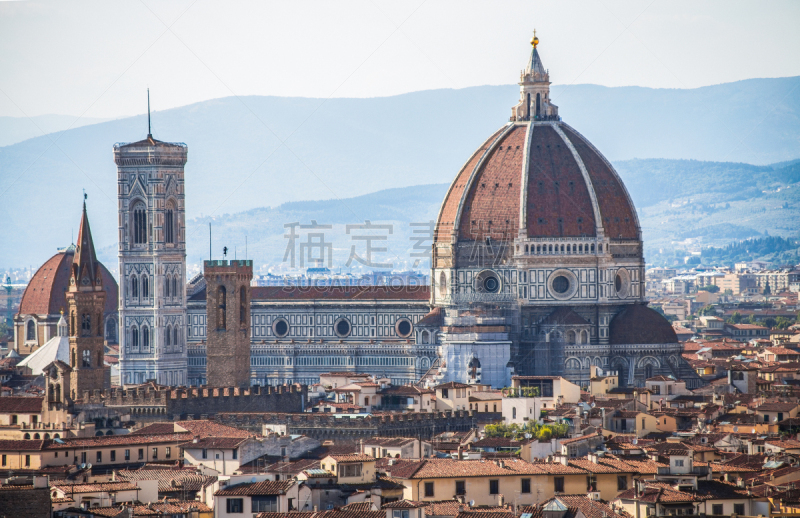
<point x="150" y="403"/>
<point x="423" y="425"/>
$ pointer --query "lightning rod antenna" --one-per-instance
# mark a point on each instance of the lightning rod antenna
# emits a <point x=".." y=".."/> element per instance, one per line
<point x="149" y="133"/>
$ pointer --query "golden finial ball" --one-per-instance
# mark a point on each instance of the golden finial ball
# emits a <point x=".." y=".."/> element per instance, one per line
<point x="534" y="41"/>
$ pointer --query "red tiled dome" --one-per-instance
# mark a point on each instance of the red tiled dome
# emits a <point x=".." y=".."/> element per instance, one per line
<point x="565" y="187"/>
<point x="46" y="291"/>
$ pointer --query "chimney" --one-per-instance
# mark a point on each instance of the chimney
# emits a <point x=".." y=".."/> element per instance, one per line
<point x="459" y="452"/>
<point x="500" y="500"/>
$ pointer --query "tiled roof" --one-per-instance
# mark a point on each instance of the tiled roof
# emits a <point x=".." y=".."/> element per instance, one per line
<point x="448" y="468"/>
<point x="660" y="378"/>
<point x="109" y="487"/>
<point x="785" y="443"/>
<point x="434" y="318"/>
<point x="170" y="480"/>
<point x="265" y="488"/>
<point x="198" y="428"/>
<point x="21" y="405"/>
<point x="502" y="512"/>
<point x="776" y="407"/>
<point x="334" y="513"/>
<point x="496" y="442"/>
<point x="116" y="440"/>
<point x="656" y="492"/>
<point x="575" y="503"/>
<point x="486" y="395"/>
<point x="357" y="506"/>
<point x="578" y="439"/>
<point x="388" y="441"/>
<point x="404" y="504"/>
<point x="21" y="445"/>
<point x="160" y="508"/>
<point x="214" y="442"/>
<point x="451" y="385"/>
<point x="354" y="457"/>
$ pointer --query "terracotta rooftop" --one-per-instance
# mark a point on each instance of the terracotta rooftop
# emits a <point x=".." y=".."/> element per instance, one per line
<point x="21" y="405"/>
<point x="266" y="488"/>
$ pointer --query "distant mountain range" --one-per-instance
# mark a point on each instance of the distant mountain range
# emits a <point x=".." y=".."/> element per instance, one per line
<point x="17" y="129"/>
<point x="248" y="154"/>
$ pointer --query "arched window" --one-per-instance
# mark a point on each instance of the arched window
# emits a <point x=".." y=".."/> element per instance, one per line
<point x="135" y="338"/>
<point x="74" y="359"/>
<point x="168" y="336"/>
<point x="145" y="287"/>
<point x="134" y="287"/>
<point x="169" y="226"/>
<point x="139" y="224"/>
<point x="648" y="371"/>
<point x="145" y="339"/>
<point x="175" y="287"/>
<point x="31" y="331"/>
<point x="175" y="336"/>
<point x="86" y="357"/>
<point x="99" y="358"/>
<point x="222" y="298"/>
<point x="86" y="325"/>
<point x="571" y="337"/>
<point x="242" y="305"/>
<point x="166" y="286"/>
<point x="442" y="285"/>
<point x="111" y="330"/>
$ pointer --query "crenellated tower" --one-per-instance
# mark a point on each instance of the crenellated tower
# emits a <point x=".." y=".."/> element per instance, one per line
<point x="152" y="261"/>
<point x="228" y="317"/>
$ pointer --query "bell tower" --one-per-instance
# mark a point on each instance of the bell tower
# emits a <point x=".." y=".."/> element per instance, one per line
<point x="86" y="299"/>
<point x="152" y="261"/>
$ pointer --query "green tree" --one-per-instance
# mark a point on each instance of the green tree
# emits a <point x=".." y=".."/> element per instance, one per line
<point x="711" y="288"/>
<point x="735" y="318"/>
<point x="783" y="322"/>
<point x="707" y="311"/>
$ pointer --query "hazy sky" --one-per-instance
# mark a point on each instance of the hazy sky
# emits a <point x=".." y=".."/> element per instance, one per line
<point x="95" y="58"/>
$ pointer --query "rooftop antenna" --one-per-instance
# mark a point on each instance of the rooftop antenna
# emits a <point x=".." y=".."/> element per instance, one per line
<point x="209" y="241"/>
<point x="149" y="134"/>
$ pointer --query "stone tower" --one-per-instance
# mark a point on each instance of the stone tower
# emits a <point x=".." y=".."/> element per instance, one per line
<point x="86" y="299"/>
<point x="152" y="261"/>
<point x="228" y="319"/>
